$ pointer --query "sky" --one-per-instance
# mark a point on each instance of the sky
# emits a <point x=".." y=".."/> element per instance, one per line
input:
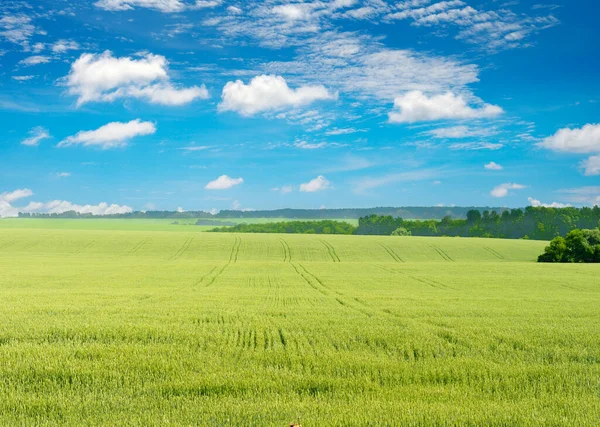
<point x="108" y="106"/>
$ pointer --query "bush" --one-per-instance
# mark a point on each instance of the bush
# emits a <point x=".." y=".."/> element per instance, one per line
<point x="401" y="231"/>
<point x="577" y="246"/>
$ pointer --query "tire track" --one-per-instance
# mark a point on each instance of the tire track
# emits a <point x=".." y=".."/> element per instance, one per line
<point x="138" y="246"/>
<point x="199" y="282"/>
<point x="287" y="253"/>
<point x="233" y="256"/>
<point x="312" y="280"/>
<point x="391" y="252"/>
<point x="6" y="245"/>
<point x="428" y="282"/>
<point x="331" y="250"/>
<point x="443" y="254"/>
<point x="182" y="249"/>
<point x="77" y="251"/>
<point x="494" y="253"/>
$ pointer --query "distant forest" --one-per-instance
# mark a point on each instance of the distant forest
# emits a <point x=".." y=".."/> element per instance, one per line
<point x="537" y="223"/>
<point x="423" y="212"/>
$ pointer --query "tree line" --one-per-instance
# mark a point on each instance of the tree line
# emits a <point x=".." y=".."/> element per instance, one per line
<point x="539" y="223"/>
<point x="298" y="227"/>
<point x="422" y="212"/>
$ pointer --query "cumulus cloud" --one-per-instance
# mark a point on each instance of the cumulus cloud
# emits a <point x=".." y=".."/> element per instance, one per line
<point x="537" y="203"/>
<point x="7" y="209"/>
<point x="36" y="135"/>
<point x="493" y="166"/>
<point x="415" y="106"/>
<point x="503" y="190"/>
<point x="223" y="182"/>
<point x="320" y="183"/>
<point x="268" y="92"/>
<point x="105" y="78"/>
<point x="591" y="166"/>
<point x="582" y="140"/>
<point x="111" y="135"/>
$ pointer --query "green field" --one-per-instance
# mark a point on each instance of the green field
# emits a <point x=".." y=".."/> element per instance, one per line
<point x="171" y="224"/>
<point x="121" y="327"/>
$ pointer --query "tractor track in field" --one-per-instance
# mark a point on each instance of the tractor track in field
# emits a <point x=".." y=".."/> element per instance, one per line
<point x="83" y="248"/>
<point x="494" y="253"/>
<point x="441" y="253"/>
<point x="199" y="282"/>
<point x="429" y="282"/>
<point x="287" y="253"/>
<point x="391" y="253"/>
<point x="233" y="256"/>
<point x="6" y="245"/>
<point x="138" y="246"/>
<point x="331" y="250"/>
<point x="318" y="285"/>
<point x="235" y="250"/>
<point x="182" y="249"/>
<point x="31" y="245"/>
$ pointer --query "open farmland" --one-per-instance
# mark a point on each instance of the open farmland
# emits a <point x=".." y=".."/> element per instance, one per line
<point x="154" y="327"/>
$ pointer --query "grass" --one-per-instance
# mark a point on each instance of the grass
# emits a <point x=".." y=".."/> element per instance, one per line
<point x="124" y="327"/>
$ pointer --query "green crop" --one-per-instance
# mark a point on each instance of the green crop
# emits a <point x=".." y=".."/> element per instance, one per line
<point x="119" y="327"/>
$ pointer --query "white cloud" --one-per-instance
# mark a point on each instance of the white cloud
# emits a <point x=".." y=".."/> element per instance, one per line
<point x="16" y="195"/>
<point x="22" y="78"/>
<point x="502" y="190"/>
<point x="293" y="12"/>
<point x="582" y="140"/>
<point x="194" y="148"/>
<point x="16" y="29"/>
<point x="343" y="131"/>
<point x="105" y="78"/>
<point x="235" y="205"/>
<point x="223" y="183"/>
<point x="587" y="195"/>
<point x="36" y="135"/>
<point x="458" y="132"/>
<point x="493" y="30"/>
<point x="165" y="6"/>
<point x="320" y="183"/>
<point x="268" y="92"/>
<point x="111" y="135"/>
<point x="62" y="46"/>
<point x="591" y="166"/>
<point x="55" y="206"/>
<point x="35" y="60"/>
<point x="63" y="174"/>
<point x="309" y="146"/>
<point x="286" y="189"/>
<point x="493" y="166"/>
<point x="537" y="203"/>
<point x="415" y="106"/>
<point x="475" y="146"/>
<point x="365" y="184"/>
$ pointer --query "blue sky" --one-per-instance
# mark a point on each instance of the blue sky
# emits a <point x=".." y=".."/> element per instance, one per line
<point x="114" y="105"/>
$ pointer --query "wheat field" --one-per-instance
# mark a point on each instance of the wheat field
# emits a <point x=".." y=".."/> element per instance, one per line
<point x="122" y="327"/>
